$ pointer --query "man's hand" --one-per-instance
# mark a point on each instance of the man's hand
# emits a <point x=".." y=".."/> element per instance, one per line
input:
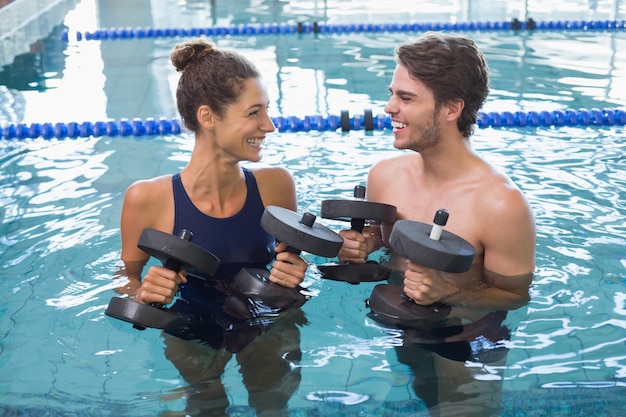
<point x="425" y="285"/>
<point x="354" y="247"/>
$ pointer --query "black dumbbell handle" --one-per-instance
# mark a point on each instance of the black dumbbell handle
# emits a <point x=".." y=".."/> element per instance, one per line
<point x="358" y="224"/>
<point x="172" y="264"/>
<point x="291" y="249"/>
<point x="434" y="306"/>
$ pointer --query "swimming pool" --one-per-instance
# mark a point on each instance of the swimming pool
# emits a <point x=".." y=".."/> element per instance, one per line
<point x="61" y="202"/>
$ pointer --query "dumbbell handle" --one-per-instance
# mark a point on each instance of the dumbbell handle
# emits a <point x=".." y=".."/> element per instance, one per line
<point x="173" y="265"/>
<point x="434" y="306"/>
<point x="291" y="249"/>
<point x="357" y="224"/>
<point x="441" y="218"/>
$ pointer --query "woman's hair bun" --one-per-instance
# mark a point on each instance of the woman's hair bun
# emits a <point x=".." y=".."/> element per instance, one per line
<point x="185" y="53"/>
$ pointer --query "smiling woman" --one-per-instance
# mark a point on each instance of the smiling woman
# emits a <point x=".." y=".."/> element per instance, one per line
<point x="223" y="101"/>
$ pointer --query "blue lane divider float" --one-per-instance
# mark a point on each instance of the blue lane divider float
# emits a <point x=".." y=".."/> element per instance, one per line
<point x="73" y="130"/>
<point x="344" y="122"/>
<point x="316" y="27"/>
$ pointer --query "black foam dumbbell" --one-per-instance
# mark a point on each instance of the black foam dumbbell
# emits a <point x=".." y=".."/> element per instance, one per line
<point x="358" y="212"/>
<point x="299" y="233"/>
<point x="428" y="245"/>
<point x="175" y="253"/>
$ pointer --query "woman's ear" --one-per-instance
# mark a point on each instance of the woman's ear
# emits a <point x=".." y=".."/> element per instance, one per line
<point x="205" y="116"/>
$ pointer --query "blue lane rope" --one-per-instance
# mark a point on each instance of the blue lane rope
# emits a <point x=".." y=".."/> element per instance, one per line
<point x="366" y="121"/>
<point x="316" y="27"/>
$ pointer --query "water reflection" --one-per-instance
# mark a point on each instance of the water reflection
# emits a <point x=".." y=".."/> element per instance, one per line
<point x="36" y="69"/>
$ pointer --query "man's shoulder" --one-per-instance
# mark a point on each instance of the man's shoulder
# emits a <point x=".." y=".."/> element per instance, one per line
<point x="500" y="196"/>
<point x="496" y="181"/>
<point x="394" y="163"/>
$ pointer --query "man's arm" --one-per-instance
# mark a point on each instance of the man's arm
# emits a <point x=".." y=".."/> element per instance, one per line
<point x="503" y="293"/>
<point x="503" y="280"/>
<point x="358" y="245"/>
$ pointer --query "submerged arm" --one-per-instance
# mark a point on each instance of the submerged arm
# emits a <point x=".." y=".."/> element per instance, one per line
<point x="144" y="207"/>
<point x="501" y="279"/>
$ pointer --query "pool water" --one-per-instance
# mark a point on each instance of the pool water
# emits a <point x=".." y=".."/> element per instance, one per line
<point x="60" y="202"/>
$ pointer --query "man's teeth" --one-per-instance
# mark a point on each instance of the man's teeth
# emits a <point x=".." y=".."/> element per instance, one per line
<point x="397" y="125"/>
<point x="255" y="141"/>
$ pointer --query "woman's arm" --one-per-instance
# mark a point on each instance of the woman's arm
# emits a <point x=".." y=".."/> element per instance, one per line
<point x="147" y="205"/>
<point x="277" y="188"/>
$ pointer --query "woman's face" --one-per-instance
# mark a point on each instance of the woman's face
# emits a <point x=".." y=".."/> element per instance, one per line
<point x="242" y="130"/>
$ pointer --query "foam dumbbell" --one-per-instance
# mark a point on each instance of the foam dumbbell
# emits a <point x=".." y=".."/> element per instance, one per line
<point x="358" y="212"/>
<point x="299" y="233"/>
<point x="175" y="252"/>
<point x="428" y="245"/>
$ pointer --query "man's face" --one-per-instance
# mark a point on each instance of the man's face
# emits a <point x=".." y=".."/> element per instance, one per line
<point x="414" y="113"/>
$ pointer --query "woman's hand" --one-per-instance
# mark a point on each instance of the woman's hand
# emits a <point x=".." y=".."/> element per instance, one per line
<point x="160" y="285"/>
<point x="288" y="268"/>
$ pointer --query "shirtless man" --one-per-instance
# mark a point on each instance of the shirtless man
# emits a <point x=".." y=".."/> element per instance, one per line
<point x="438" y="86"/>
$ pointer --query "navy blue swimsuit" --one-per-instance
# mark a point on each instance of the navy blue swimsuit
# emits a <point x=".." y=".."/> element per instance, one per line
<point x="238" y="241"/>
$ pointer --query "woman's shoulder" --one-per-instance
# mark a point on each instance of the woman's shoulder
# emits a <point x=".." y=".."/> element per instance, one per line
<point x="147" y="203"/>
<point x="149" y="191"/>
<point x="276" y="186"/>
<point x="273" y="174"/>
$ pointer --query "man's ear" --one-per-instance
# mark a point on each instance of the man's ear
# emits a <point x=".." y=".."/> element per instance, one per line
<point x="455" y="108"/>
<point x="206" y="117"/>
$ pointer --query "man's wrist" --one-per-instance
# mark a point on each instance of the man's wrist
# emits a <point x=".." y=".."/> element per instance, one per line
<point x="453" y="296"/>
<point x="375" y="239"/>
